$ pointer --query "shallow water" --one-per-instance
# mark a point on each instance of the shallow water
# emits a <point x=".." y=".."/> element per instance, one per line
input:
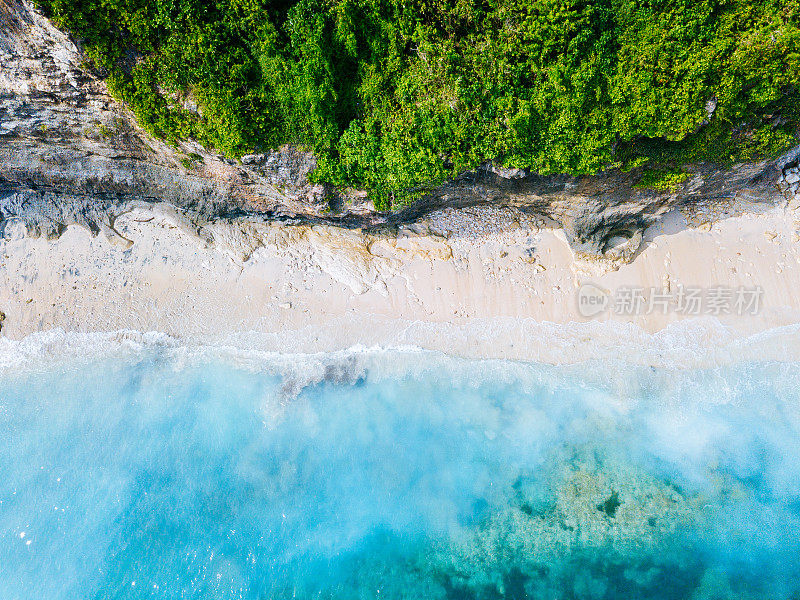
<point x="166" y="472"/>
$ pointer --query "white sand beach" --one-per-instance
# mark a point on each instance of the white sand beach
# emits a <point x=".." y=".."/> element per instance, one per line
<point x="497" y="280"/>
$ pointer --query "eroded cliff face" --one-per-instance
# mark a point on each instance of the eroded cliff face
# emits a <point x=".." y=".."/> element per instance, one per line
<point x="71" y="154"/>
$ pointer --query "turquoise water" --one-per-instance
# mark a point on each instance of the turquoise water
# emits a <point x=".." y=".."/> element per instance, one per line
<point x="162" y="473"/>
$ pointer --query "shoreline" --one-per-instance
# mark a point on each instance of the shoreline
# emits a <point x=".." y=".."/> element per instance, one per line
<point x="477" y="282"/>
<point x="687" y="345"/>
<point x="452" y="272"/>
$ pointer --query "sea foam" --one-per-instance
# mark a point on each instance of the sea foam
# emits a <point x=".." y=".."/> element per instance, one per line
<point x="136" y="465"/>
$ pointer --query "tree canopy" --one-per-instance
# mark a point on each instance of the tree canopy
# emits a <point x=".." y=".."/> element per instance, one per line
<point x="398" y="94"/>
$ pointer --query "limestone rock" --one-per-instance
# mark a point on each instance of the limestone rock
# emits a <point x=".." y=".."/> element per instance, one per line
<point x="71" y="154"/>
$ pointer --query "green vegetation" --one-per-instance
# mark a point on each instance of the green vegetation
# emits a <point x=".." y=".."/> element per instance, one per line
<point x="396" y="95"/>
<point x="662" y="180"/>
<point x="191" y="160"/>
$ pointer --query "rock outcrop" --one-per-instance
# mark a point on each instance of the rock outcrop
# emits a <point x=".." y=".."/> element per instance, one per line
<point x="69" y="153"/>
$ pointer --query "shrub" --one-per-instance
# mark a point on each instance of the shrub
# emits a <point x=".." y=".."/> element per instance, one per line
<point x="399" y="95"/>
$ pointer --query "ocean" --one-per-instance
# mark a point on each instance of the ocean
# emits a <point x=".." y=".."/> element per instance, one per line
<point x="135" y="466"/>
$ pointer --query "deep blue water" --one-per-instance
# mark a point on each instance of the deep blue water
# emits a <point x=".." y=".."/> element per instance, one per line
<point x="396" y="475"/>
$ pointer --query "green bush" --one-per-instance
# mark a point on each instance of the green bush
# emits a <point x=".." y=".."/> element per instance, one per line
<point x="662" y="180"/>
<point x="399" y="95"/>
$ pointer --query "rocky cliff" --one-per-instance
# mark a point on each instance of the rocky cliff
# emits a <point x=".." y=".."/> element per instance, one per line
<point x="69" y="153"/>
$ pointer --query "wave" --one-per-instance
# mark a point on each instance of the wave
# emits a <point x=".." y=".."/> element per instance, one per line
<point x="689" y="344"/>
<point x="140" y="458"/>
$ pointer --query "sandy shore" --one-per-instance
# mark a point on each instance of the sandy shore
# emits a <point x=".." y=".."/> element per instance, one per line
<point x="487" y="282"/>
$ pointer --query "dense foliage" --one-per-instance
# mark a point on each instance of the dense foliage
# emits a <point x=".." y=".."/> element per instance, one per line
<point x="396" y="94"/>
